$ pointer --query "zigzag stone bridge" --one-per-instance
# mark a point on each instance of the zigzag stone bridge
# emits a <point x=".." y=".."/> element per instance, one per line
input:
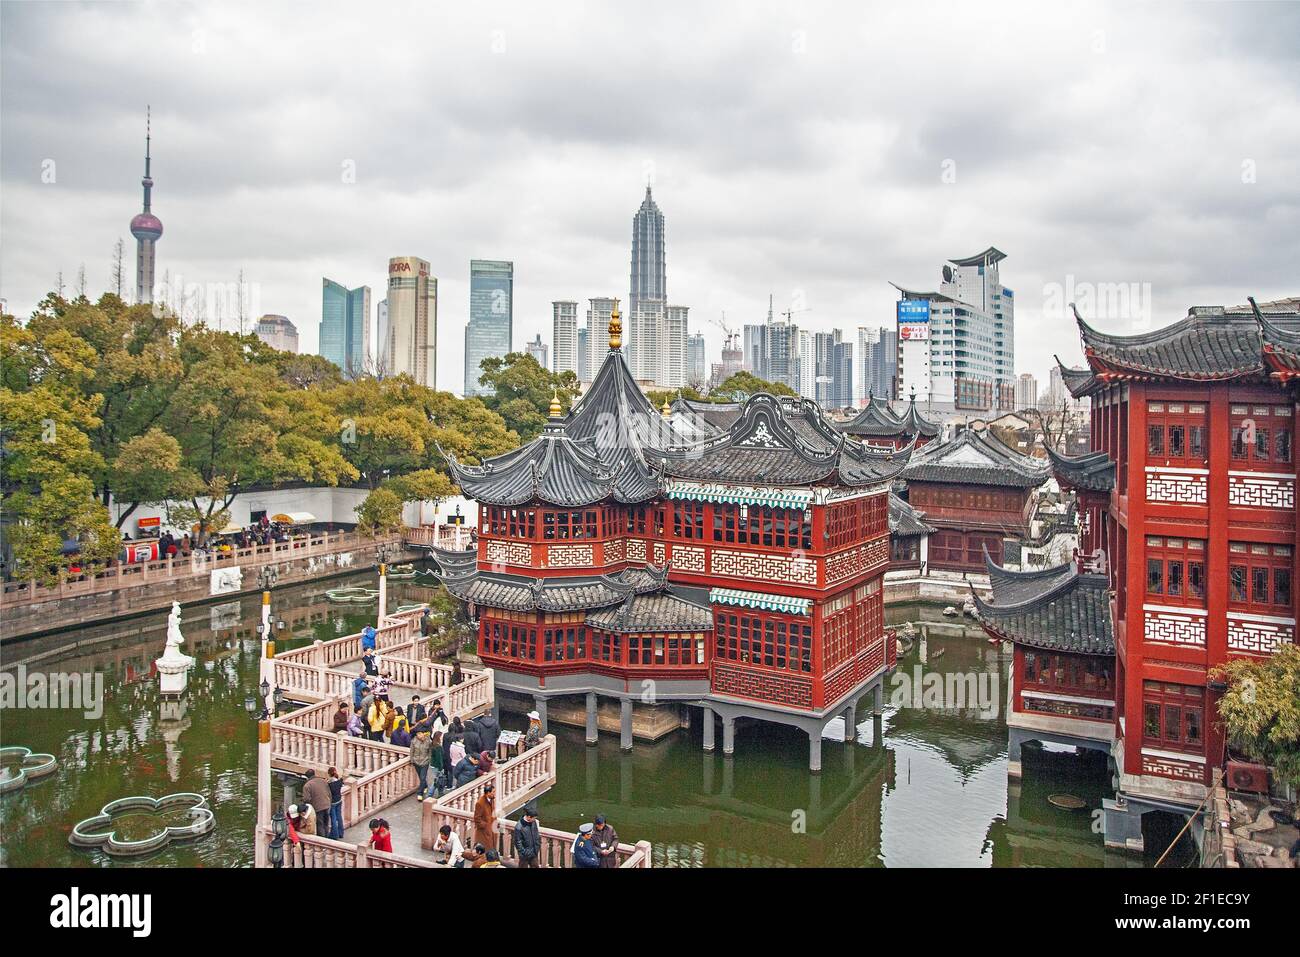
<point x="379" y="777"/>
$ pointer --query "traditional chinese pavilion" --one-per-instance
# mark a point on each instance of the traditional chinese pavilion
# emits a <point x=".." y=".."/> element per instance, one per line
<point x="728" y="559"/>
<point x="1063" y="672"/>
<point x="1188" y="513"/>
<point x="877" y="425"/>
<point x="975" y="491"/>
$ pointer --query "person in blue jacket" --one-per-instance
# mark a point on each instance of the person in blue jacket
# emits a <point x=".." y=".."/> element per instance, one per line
<point x="359" y="685"/>
<point x="584" y="849"/>
<point x="368" y="638"/>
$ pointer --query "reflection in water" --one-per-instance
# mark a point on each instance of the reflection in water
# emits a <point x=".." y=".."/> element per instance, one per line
<point x="919" y="787"/>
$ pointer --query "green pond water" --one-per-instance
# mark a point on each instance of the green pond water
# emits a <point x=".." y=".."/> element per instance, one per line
<point x="920" y="787"/>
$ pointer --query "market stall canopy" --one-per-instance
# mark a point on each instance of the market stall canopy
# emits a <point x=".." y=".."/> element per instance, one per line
<point x="294" y="518"/>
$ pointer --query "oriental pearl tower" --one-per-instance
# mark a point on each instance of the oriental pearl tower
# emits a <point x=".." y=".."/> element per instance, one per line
<point x="146" y="228"/>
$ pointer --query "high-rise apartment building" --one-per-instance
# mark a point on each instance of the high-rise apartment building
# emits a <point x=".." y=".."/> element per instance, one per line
<point x="412" y="320"/>
<point x="957" y="345"/>
<point x="382" y="359"/>
<point x="1026" y="391"/>
<point x="564" y="336"/>
<point x="697" y="368"/>
<point x="598" y="312"/>
<point x="584" y="357"/>
<point x="540" y="351"/>
<point x="490" y="331"/>
<point x="278" y="333"/>
<point x="345" y="327"/>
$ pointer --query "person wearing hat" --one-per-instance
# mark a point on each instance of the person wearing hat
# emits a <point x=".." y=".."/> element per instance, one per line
<point x="533" y="737"/>
<point x="368" y="638"/>
<point x="606" y="840"/>
<point x="584" y="849"/>
<point x="485" y="817"/>
<point x="304" y="818"/>
<point x="528" y="842"/>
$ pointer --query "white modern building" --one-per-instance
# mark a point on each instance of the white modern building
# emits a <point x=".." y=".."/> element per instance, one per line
<point x="956" y="346"/>
<point x="278" y="333"/>
<point x="564" y="335"/>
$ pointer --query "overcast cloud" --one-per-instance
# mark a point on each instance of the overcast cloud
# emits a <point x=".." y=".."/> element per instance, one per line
<point x="795" y="149"/>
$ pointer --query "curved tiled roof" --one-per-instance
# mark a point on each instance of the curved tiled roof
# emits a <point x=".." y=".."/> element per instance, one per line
<point x="1210" y="343"/>
<point x="660" y="612"/>
<point x="974" y="457"/>
<point x="561" y="593"/>
<point x="905" y="521"/>
<point x="1055" y="609"/>
<point x="553" y="469"/>
<point x="781" y="441"/>
<point x="914" y="423"/>
<point x="454" y="562"/>
<point x="875" y="419"/>
<point x="1079" y="382"/>
<point x="1093" y="471"/>
<point x="1281" y="346"/>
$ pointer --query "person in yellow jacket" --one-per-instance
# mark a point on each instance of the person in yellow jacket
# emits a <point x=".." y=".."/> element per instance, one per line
<point x="378" y="719"/>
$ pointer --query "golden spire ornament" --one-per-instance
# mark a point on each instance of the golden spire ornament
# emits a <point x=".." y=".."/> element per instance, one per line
<point x="615" y="329"/>
<point x="556" y="411"/>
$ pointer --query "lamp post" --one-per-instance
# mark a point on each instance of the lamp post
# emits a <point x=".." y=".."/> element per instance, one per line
<point x="265" y="668"/>
<point x="279" y="830"/>
<point x="382" y="552"/>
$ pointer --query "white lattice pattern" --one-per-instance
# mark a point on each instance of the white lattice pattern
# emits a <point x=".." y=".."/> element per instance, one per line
<point x="754" y="565"/>
<point x="1255" y="491"/>
<point x="1177" y="488"/>
<point x="509" y="553"/>
<point x="570" y="556"/>
<point x="659" y="553"/>
<point x="1173" y="628"/>
<point x="1169" y="768"/>
<point x="1258" y="637"/>
<point x="636" y="550"/>
<point x="688" y="558"/>
<point x="855" y="561"/>
<point x="614" y="551"/>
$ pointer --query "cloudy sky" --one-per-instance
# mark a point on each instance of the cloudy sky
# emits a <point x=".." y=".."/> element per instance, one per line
<point x="814" y="152"/>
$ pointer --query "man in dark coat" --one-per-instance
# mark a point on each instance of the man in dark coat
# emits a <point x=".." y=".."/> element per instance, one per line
<point x="606" y="840"/>
<point x="473" y="740"/>
<point x="467" y="769"/>
<point x="489" y="730"/>
<point x="316" y="792"/>
<point x="528" y="841"/>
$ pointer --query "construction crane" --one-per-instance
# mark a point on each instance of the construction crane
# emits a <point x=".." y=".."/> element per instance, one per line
<point x="731" y="335"/>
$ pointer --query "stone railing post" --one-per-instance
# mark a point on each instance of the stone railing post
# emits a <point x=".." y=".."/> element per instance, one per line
<point x="341" y="752"/>
<point x="363" y="855"/>
<point x="318" y="656"/>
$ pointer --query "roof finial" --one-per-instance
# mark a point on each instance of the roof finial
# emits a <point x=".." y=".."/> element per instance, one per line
<point x="615" y="329"/>
<point x="556" y="411"/>
<point x="666" y="409"/>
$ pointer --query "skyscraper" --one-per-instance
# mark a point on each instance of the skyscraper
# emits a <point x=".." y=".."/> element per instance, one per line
<point x="584" y="357"/>
<point x="539" y="351"/>
<point x="382" y="358"/>
<point x="957" y="345"/>
<point x="412" y="320"/>
<point x="673" y="341"/>
<point x="345" y="326"/>
<point x="599" y="311"/>
<point x="278" y="333"/>
<point x="564" y="335"/>
<point x="1026" y="391"/>
<point x="697" y="368"/>
<point x="146" y="228"/>
<point x="649" y="276"/>
<point x="490" y="330"/>
<point x="876" y="364"/>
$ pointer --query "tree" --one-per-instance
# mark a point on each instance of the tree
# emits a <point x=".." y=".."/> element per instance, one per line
<point x="148" y="470"/>
<point x="451" y="628"/>
<point x="426" y="485"/>
<point x="658" y="397"/>
<point x="1261" y="709"/>
<point x="740" y="385"/>
<point x="522" y="391"/>
<point x="380" y="512"/>
<point x="308" y="371"/>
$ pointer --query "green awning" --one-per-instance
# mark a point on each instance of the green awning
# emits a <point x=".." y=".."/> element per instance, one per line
<point x="783" y="604"/>
<point x="797" y="498"/>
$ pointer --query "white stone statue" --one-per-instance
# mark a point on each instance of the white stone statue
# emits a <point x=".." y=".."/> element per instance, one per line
<point x="174" y="665"/>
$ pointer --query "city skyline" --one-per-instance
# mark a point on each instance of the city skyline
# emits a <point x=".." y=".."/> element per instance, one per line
<point x="797" y="217"/>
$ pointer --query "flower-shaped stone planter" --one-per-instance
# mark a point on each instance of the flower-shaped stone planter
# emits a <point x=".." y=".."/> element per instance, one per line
<point x="20" y="765"/>
<point x="132" y="826"/>
<point x="353" y="595"/>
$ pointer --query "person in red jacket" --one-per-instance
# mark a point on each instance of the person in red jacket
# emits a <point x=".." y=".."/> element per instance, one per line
<point x="381" y="838"/>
